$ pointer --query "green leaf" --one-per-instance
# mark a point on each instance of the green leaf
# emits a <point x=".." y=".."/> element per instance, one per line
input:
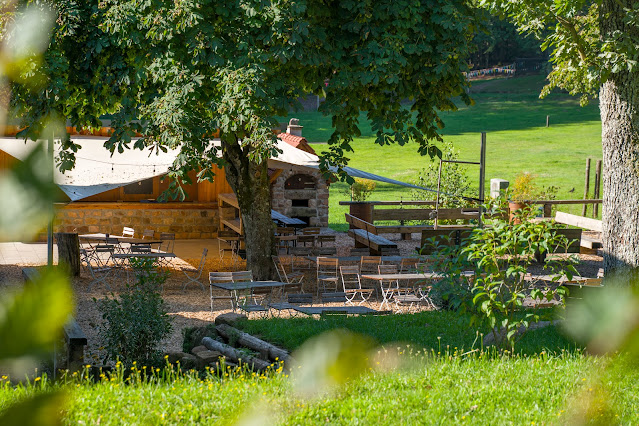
<point x="43" y="409"/>
<point x="31" y="321"/>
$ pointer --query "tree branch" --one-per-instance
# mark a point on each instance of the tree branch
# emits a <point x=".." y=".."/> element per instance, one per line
<point x="570" y="26"/>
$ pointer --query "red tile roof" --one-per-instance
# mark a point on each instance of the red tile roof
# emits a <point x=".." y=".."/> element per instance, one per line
<point x="296" y="141"/>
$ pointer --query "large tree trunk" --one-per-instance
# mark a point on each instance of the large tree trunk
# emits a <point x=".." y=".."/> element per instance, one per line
<point x="619" y="105"/>
<point x="250" y="183"/>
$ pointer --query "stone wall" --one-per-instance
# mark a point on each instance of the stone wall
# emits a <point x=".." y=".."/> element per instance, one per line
<point x="190" y="222"/>
<point x="317" y="209"/>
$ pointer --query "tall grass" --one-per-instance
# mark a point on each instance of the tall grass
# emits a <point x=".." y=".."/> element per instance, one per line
<point x="422" y="388"/>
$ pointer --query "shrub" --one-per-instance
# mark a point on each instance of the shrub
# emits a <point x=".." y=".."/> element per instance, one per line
<point x="500" y="255"/>
<point x="361" y="189"/>
<point x="136" y="322"/>
<point x="454" y="180"/>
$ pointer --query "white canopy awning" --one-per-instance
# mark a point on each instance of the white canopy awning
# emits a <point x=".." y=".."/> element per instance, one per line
<point x="96" y="171"/>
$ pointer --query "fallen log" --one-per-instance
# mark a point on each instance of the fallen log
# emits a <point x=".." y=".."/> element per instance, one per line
<point x="244" y="339"/>
<point x="234" y="355"/>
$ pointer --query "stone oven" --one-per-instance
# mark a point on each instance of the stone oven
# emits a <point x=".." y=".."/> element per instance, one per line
<point x="300" y="194"/>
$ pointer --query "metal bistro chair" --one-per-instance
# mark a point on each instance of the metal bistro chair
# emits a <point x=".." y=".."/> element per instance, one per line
<point x="128" y="232"/>
<point x="353" y="286"/>
<point x="292" y="301"/>
<point x="140" y="248"/>
<point x="291" y="277"/>
<point x="221" y="277"/>
<point x="327" y="273"/>
<point x="368" y="265"/>
<point x="257" y="299"/>
<point x="150" y="234"/>
<point x="168" y="242"/>
<point x="390" y="288"/>
<point x="197" y="273"/>
<point x="301" y="259"/>
<point x="98" y="274"/>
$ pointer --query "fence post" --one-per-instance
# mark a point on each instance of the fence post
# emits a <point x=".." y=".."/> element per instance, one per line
<point x="595" y="207"/>
<point x="586" y="187"/>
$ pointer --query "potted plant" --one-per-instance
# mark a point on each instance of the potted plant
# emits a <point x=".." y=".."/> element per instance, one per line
<point x="524" y="190"/>
<point x="359" y="192"/>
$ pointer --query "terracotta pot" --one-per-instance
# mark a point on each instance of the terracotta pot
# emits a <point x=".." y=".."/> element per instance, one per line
<point x="516" y="205"/>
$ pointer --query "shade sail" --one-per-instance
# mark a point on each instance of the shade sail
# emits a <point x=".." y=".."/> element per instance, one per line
<point x="96" y="171"/>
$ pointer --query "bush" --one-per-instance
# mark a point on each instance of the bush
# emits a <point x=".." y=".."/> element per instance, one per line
<point x="500" y="255"/>
<point x="136" y="322"/>
<point x="454" y="180"/>
<point x="361" y="189"/>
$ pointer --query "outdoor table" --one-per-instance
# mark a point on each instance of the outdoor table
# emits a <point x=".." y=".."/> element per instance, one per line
<point x="156" y="256"/>
<point x="559" y="279"/>
<point x="233" y="287"/>
<point x="358" y="258"/>
<point x="349" y="310"/>
<point x="287" y="221"/>
<point x="120" y="259"/>
<point x="119" y="238"/>
<point x="386" y="294"/>
<point x="411" y="276"/>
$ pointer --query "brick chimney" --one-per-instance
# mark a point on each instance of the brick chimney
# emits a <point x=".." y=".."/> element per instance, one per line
<point x="294" y="127"/>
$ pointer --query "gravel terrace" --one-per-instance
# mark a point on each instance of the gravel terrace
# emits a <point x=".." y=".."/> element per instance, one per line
<point x="192" y="307"/>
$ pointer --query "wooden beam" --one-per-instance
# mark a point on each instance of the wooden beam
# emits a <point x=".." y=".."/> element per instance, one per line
<point x="579" y="221"/>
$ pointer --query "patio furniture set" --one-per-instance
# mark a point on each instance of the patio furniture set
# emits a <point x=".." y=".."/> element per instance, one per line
<point x="104" y="256"/>
<point x="401" y="286"/>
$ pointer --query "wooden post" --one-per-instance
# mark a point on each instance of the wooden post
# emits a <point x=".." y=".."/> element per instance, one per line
<point x="586" y="187"/>
<point x="69" y="252"/>
<point x="547" y="210"/>
<point x="482" y="177"/>
<point x="595" y="207"/>
<point x="547" y="121"/>
<point x="439" y="186"/>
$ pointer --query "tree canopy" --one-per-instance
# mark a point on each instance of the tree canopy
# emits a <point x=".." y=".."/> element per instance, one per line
<point x="178" y="71"/>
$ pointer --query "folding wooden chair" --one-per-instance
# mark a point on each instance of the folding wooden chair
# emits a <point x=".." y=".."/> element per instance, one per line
<point x="197" y="272"/>
<point x="408" y="264"/>
<point x="327" y="273"/>
<point x="352" y="285"/>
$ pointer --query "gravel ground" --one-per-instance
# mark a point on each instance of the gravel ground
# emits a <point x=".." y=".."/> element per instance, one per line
<point x="192" y="307"/>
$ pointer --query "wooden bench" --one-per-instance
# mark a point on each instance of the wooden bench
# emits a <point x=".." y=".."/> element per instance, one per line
<point x="444" y="235"/>
<point x="365" y="235"/>
<point x="587" y="242"/>
<point x="457" y="234"/>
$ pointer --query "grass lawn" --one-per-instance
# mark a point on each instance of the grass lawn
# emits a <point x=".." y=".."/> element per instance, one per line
<point x="452" y="388"/>
<point x="513" y="116"/>
<point x="436" y="330"/>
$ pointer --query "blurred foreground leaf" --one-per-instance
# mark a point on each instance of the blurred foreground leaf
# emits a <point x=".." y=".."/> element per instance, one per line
<point x="43" y="409"/>
<point x="605" y="318"/>
<point x="330" y="359"/>
<point x="31" y="321"/>
<point x="28" y="192"/>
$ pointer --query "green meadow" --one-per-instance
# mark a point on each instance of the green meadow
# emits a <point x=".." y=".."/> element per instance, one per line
<point x="514" y="119"/>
